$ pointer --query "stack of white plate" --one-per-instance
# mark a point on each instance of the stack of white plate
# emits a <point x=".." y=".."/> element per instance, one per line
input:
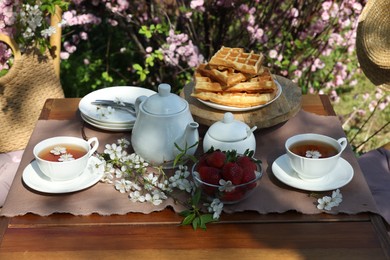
<point x="118" y="120"/>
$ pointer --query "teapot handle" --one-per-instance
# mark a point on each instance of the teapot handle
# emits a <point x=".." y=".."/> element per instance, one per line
<point x="138" y="102"/>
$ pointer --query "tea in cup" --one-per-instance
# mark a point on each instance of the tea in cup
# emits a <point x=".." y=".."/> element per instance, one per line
<point x="64" y="158"/>
<point x="313" y="156"/>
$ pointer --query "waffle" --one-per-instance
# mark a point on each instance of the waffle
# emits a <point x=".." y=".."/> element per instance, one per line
<point x="237" y="59"/>
<point x="234" y="78"/>
<point x="235" y="99"/>
<point x="259" y="84"/>
<point x="227" y="77"/>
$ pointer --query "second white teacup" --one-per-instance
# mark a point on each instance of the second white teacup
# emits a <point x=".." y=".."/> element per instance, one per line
<point x="64" y="158"/>
<point x="313" y="156"/>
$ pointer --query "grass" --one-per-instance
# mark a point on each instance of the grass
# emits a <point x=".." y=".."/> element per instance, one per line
<point x="358" y="129"/>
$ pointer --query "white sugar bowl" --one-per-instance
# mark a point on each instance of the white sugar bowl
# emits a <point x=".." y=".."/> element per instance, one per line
<point x="230" y="134"/>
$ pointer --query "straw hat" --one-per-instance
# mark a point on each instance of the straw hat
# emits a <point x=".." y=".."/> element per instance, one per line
<point x="373" y="42"/>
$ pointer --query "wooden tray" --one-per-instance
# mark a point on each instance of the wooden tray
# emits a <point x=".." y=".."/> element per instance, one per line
<point x="286" y="106"/>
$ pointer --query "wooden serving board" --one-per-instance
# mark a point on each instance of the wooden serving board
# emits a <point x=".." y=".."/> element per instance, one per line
<point x="286" y="106"/>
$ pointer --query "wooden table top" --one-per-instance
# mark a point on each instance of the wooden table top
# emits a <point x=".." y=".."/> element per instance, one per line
<point x="245" y="235"/>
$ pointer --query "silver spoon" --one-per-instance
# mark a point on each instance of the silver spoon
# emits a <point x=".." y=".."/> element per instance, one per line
<point x="126" y="107"/>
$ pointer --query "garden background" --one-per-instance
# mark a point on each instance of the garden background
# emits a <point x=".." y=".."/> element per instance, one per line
<point x="142" y="43"/>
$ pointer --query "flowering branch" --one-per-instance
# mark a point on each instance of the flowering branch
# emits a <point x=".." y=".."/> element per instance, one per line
<point x="143" y="183"/>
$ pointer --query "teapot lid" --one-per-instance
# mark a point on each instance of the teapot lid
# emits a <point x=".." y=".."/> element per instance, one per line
<point x="229" y="130"/>
<point x="164" y="102"/>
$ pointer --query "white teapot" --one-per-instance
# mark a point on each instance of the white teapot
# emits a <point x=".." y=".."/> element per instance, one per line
<point x="230" y="134"/>
<point x="163" y="119"/>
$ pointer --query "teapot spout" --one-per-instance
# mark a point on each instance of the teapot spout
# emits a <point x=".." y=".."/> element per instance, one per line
<point x="189" y="140"/>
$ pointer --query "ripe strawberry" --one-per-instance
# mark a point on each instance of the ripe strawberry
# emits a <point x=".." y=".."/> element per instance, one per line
<point x="202" y="161"/>
<point x="248" y="176"/>
<point x="246" y="163"/>
<point x="216" y="159"/>
<point x="232" y="172"/>
<point x="209" y="175"/>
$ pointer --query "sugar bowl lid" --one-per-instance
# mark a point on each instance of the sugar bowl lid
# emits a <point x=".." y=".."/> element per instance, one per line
<point x="164" y="102"/>
<point x="229" y="129"/>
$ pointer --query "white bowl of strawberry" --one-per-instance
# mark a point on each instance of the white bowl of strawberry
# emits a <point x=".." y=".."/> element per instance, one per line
<point x="226" y="175"/>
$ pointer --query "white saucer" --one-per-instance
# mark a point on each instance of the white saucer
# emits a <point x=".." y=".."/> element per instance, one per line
<point x="35" y="179"/>
<point x="109" y="127"/>
<point x="124" y="93"/>
<point x="337" y="178"/>
<point x="242" y="109"/>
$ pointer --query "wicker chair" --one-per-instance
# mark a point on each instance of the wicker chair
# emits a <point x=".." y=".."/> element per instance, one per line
<point x="23" y="90"/>
<point x="32" y="79"/>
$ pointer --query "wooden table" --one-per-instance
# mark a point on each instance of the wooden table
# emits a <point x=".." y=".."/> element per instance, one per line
<point x="158" y="235"/>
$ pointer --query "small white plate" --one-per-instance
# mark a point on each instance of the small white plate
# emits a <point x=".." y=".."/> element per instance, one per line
<point x="109" y="127"/>
<point x="337" y="178"/>
<point x="123" y="93"/>
<point x="35" y="179"/>
<point x="105" y="123"/>
<point x="243" y="109"/>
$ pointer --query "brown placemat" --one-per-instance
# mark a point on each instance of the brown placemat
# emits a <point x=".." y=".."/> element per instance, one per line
<point x="271" y="196"/>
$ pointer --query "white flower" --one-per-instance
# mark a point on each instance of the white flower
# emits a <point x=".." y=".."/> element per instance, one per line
<point x="151" y="181"/>
<point x="328" y="202"/>
<point x="337" y="196"/>
<point x="107" y="177"/>
<point x="148" y="197"/>
<point x="114" y="151"/>
<point x="104" y="112"/>
<point x="313" y="154"/>
<point x="135" y="186"/>
<point x="157" y="197"/>
<point x="119" y="101"/>
<point x="122" y="185"/>
<point x="58" y="150"/>
<point x="123" y="142"/>
<point x="31" y="16"/>
<point x="118" y="173"/>
<point x="226" y="185"/>
<point x="62" y="23"/>
<point x="324" y="203"/>
<point x="136" y="196"/>
<point x="138" y="161"/>
<point x="273" y="54"/>
<point x="179" y="179"/>
<point x="66" y="157"/>
<point x="97" y="167"/>
<point x="48" y="32"/>
<point x="215" y="207"/>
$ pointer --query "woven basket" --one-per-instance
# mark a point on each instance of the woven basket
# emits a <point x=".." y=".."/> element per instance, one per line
<point x="373" y="42"/>
<point x="23" y="92"/>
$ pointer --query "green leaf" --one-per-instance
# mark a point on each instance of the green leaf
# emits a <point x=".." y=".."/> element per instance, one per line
<point x="189" y="219"/>
<point x="106" y="76"/>
<point x="185" y="213"/>
<point x="196" y="198"/>
<point x="150" y="61"/>
<point x="298" y="43"/>
<point x="207" y="218"/>
<point x="195" y="223"/>
<point x="137" y="67"/>
<point x="142" y="76"/>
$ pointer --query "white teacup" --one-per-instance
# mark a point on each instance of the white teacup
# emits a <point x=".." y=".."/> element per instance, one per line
<point x="49" y="151"/>
<point x="313" y="156"/>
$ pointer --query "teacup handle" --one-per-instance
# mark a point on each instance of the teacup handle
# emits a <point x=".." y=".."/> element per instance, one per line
<point x="95" y="146"/>
<point x="343" y="143"/>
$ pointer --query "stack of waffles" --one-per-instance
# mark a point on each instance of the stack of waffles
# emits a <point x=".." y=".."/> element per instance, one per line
<point x="234" y="78"/>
